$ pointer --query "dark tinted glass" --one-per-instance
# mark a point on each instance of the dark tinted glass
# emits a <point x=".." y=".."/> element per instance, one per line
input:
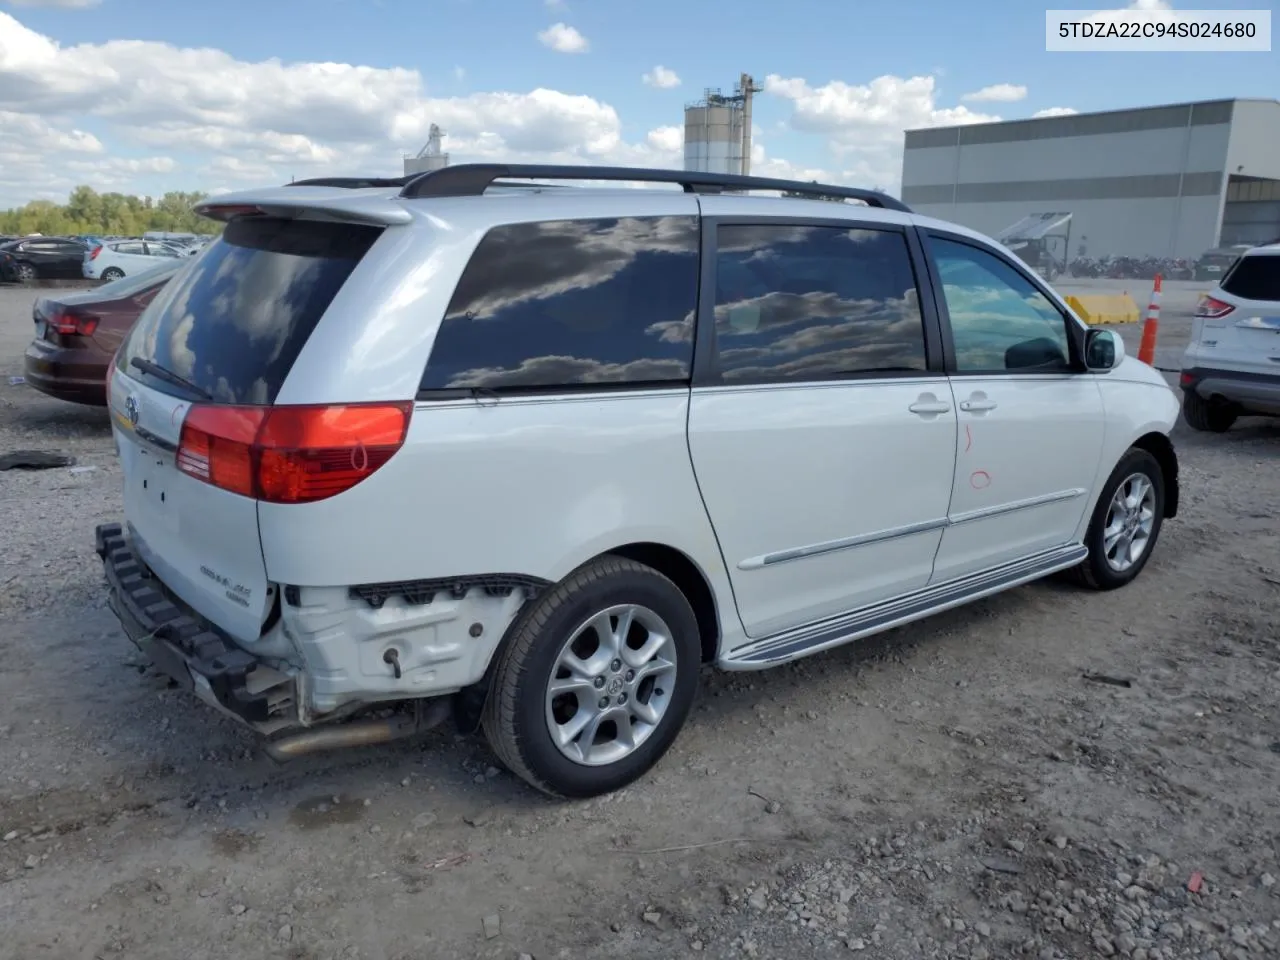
<point x="999" y="320"/>
<point x="568" y="303"/>
<point x="1254" y="278"/>
<point x="808" y="303"/>
<point x="234" y="322"/>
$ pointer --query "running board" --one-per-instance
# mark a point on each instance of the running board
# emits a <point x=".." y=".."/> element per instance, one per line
<point x="803" y="641"/>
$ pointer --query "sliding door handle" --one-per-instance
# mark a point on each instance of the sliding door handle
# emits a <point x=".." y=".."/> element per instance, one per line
<point x="929" y="407"/>
<point x="977" y="406"/>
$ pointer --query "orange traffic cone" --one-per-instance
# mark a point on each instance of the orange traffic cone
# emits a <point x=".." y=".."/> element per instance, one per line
<point x="1151" y="327"/>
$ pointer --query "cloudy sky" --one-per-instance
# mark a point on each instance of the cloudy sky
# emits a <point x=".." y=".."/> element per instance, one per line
<point x="155" y="95"/>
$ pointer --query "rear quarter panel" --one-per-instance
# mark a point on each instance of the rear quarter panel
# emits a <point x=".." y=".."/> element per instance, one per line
<point x="529" y="486"/>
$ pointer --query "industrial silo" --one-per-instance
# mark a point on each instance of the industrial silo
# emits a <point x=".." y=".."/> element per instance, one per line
<point x="430" y="157"/>
<point x="717" y="131"/>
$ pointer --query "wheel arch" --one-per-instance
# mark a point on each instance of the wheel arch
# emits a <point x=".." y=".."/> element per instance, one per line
<point x="674" y="564"/>
<point x="680" y="569"/>
<point x="1161" y="447"/>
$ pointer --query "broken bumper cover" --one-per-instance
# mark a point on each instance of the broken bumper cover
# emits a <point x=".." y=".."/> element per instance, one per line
<point x="179" y="642"/>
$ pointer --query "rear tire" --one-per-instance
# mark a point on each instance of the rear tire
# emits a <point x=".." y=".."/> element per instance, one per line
<point x="1126" y="523"/>
<point x="112" y="273"/>
<point x="24" y="272"/>
<point x="617" y="642"/>
<point x="1207" y="415"/>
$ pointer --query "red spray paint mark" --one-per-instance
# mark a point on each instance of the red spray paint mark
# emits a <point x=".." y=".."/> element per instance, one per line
<point x="968" y="438"/>
<point x="979" y="479"/>
<point x="1193" y="885"/>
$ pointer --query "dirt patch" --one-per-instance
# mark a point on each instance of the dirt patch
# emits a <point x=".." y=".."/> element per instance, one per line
<point x="953" y="789"/>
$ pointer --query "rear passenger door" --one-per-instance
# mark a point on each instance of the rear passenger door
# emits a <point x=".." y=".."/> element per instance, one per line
<point x="821" y="423"/>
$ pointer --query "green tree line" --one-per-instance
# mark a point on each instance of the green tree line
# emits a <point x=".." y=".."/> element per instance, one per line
<point x="108" y="214"/>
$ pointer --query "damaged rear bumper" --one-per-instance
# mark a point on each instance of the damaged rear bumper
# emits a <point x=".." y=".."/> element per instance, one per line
<point x="188" y="649"/>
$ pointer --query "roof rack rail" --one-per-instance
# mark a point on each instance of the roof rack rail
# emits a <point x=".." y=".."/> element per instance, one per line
<point x="350" y="183"/>
<point x="472" y="179"/>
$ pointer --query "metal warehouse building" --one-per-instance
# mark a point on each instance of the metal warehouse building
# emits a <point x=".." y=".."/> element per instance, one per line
<point x="1170" y="181"/>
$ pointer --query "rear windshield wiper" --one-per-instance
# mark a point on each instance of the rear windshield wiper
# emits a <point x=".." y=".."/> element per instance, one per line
<point x="160" y="373"/>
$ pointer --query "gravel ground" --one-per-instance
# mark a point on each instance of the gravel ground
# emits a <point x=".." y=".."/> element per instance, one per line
<point x="952" y="789"/>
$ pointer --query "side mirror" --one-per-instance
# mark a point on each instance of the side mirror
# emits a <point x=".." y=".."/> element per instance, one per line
<point x="1103" y="349"/>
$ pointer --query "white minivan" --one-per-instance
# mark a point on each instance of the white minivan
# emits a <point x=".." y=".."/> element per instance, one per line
<point x="471" y="444"/>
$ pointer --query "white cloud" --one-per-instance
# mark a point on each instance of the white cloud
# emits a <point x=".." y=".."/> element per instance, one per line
<point x="1152" y="10"/>
<point x="224" y="122"/>
<point x="662" y="78"/>
<point x="563" y="38"/>
<point x="666" y="139"/>
<point x="459" y="73"/>
<point x="1055" y="112"/>
<point x="997" y="93"/>
<point x="864" y="123"/>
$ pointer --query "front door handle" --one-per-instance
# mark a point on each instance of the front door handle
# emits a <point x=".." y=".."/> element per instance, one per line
<point x="977" y="406"/>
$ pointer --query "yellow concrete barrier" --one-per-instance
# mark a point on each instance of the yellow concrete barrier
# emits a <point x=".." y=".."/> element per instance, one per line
<point x="1104" y="308"/>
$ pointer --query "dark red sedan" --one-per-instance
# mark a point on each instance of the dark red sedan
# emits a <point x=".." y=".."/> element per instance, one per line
<point x="77" y="333"/>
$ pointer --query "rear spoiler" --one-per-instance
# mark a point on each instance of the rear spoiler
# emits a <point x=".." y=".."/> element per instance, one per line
<point x="310" y="203"/>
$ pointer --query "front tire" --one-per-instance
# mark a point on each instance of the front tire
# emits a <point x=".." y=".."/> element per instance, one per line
<point x="596" y="681"/>
<point x="1206" y="415"/>
<point x="1126" y="523"/>
<point x="25" y="273"/>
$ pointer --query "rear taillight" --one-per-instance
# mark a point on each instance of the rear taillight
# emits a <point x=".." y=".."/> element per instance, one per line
<point x="72" y="325"/>
<point x="290" y="454"/>
<point x="93" y="254"/>
<point x="1186" y="380"/>
<point x="1211" y="308"/>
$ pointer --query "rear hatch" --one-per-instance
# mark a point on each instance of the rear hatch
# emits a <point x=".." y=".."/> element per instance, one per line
<point x="1238" y="327"/>
<point x="192" y="385"/>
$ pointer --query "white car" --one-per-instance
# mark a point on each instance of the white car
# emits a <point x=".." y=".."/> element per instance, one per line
<point x="461" y="444"/>
<point x="1231" y="367"/>
<point x="121" y="258"/>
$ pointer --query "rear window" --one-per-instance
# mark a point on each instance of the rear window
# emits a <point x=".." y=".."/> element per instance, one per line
<point x="1254" y="278"/>
<point x="234" y="322"/>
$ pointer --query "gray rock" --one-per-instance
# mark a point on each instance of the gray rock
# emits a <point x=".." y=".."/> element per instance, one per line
<point x="759" y="899"/>
<point x="492" y="926"/>
<point x="32" y="862"/>
<point x="238" y="909"/>
<point x="1103" y="945"/>
<point x="652" y="916"/>
<point x="285" y="933"/>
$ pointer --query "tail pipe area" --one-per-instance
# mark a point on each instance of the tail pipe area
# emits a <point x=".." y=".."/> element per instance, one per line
<point x="360" y="733"/>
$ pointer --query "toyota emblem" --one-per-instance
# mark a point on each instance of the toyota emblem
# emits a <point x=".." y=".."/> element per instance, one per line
<point x="131" y="409"/>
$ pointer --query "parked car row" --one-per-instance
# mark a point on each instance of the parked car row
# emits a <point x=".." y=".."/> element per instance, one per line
<point x="33" y="258"/>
